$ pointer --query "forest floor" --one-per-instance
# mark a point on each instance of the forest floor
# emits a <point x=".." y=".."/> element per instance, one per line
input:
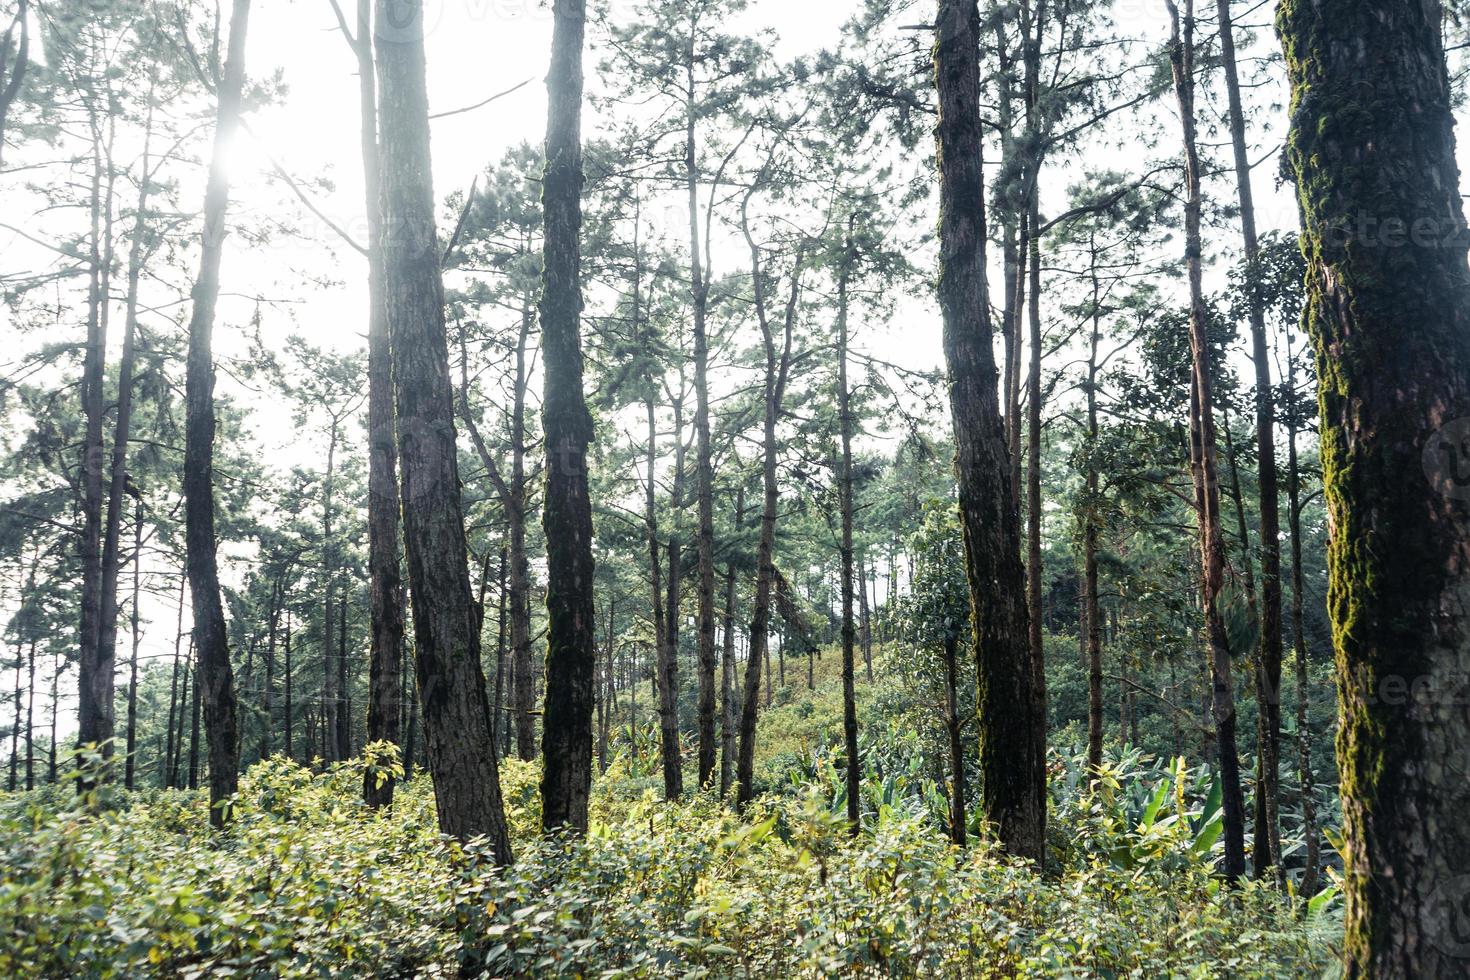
<point x="308" y="882"/>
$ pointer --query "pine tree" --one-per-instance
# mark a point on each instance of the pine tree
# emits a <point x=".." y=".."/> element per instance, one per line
<point x="571" y="660"/>
<point x="462" y="757"/>
<point x="1011" y="736"/>
<point x="1372" y="150"/>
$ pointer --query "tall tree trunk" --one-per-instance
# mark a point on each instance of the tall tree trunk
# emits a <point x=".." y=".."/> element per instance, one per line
<point x="130" y="766"/>
<point x="655" y="574"/>
<point x="51" y="773"/>
<point x="778" y="366"/>
<point x="1014" y="247"/>
<point x="331" y="693"/>
<point x="498" y="721"/>
<point x="344" y="701"/>
<point x="1269" y="651"/>
<point x="849" y="628"/>
<point x="1091" y="614"/>
<point x="1266" y="843"/>
<point x="1034" y="586"/>
<point x="704" y="467"/>
<point x="728" y="713"/>
<point x="728" y="705"/>
<point x="195" y="704"/>
<point x="118" y="482"/>
<point x="268" y="693"/>
<point x="14" y="776"/>
<point x="865" y="616"/>
<point x="214" y="676"/>
<point x="1203" y="461"/>
<point x="175" y="703"/>
<point x="604" y="684"/>
<point x="31" y="715"/>
<point x="95" y="678"/>
<point x="1372" y="134"/>
<point x="513" y="496"/>
<point x="1012" y="749"/>
<point x="953" y="728"/>
<point x="1305" y="775"/>
<point x="385" y="579"/>
<point x="571" y="662"/>
<point x="451" y="684"/>
<point x="667" y="667"/>
<point x="520" y="580"/>
<point x="288" y="721"/>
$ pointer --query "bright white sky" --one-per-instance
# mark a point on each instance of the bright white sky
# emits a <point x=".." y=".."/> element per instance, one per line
<point x="475" y="48"/>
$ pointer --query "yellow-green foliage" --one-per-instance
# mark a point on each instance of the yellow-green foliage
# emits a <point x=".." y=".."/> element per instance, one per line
<point x="307" y="881"/>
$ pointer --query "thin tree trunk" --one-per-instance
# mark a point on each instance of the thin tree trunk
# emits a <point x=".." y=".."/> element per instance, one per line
<point x="1012" y="751"/>
<point x="330" y="751"/>
<point x="268" y="694"/>
<point x="667" y="667"/>
<point x="131" y="764"/>
<point x="31" y="715"/>
<point x="212" y="652"/>
<point x="14" y="776"/>
<point x="95" y="680"/>
<point x="1270" y="624"/>
<point x="953" y="728"/>
<point x="571" y="662"/>
<point x="604" y="683"/>
<point x="498" y="722"/>
<point x="118" y="482"/>
<point x="704" y="468"/>
<point x="344" y="703"/>
<point x="1034" y="585"/>
<point x="728" y="713"/>
<point x="865" y="614"/>
<point x="461" y="755"/>
<point x="1091" y="616"/>
<point x="1206" y="479"/>
<point x="385" y="579"/>
<point x="196" y="703"/>
<point x="1305" y="775"/>
<point x="51" y="774"/>
<point x="175" y="703"/>
<point x="1266" y="845"/>
<point x="288" y="722"/>
<point x="778" y="366"/>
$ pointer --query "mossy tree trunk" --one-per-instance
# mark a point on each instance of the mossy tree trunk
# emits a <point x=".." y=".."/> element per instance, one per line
<point x="1388" y="309"/>
<point x="571" y="661"/>
<point x="1012" y="743"/>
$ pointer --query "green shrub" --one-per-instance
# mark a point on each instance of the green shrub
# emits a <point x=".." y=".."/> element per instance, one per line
<point x="309" y="882"/>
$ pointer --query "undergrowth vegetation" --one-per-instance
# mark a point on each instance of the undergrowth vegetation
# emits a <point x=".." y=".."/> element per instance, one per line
<point x="307" y="880"/>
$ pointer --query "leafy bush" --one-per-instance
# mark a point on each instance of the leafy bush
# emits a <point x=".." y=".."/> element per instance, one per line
<point x="308" y="881"/>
